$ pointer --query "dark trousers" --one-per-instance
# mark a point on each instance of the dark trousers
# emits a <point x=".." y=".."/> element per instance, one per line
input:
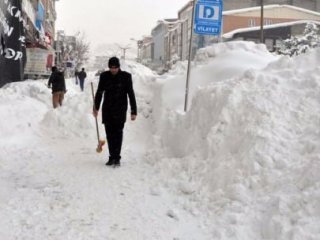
<point x="81" y="84"/>
<point x="114" y="132"/>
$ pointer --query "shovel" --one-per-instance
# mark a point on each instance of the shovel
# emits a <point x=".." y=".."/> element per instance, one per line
<point x="100" y="142"/>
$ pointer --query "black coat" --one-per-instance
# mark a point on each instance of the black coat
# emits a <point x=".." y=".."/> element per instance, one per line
<point x="82" y="75"/>
<point x="116" y="89"/>
<point x="57" y="81"/>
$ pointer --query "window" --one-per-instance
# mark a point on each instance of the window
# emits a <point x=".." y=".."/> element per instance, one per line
<point x="267" y="21"/>
<point x="252" y="22"/>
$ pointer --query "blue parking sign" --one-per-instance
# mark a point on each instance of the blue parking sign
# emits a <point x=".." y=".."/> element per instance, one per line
<point x="208" y="17"/>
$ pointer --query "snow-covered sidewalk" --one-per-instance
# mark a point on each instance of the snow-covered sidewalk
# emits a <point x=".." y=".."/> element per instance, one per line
<point x="55" y="186"/>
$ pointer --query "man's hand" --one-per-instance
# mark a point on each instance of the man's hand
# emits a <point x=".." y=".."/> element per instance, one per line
<point x="133" y="117"/>
<point x="95" y="112"/>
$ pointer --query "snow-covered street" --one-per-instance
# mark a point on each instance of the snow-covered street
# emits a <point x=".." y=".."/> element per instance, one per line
<point x="242" y="163"/>
<point x="54" y="185"/>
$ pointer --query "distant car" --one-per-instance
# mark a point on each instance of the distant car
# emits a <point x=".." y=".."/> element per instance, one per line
<point x="99" y="72"/>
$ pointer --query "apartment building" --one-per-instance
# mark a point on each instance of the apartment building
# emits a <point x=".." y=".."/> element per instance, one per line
<point x="237" y="4"/>
<point x="40" y="16"/>
<point x="280" y="22"/>
<point x="241" y="20"/>
<point x="158" y="34"/>
<point x="12" y="41"/>
<point x="66" y="52"/>
<point x="170" y="40"/>
<point x="146" y="50"/>
<point x="184" y="33"/>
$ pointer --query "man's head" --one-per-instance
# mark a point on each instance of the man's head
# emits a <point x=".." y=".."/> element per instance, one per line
<point x="82" y="69"/>
<point x="114" y="65"/>
<point x="54" y="69"/>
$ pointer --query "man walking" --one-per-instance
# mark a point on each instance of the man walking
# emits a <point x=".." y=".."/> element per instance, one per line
<point x="82" y="76"/>
<point x="58" y="87"/>
<point x="76" y="73"/>
<point x="116" y="86"/>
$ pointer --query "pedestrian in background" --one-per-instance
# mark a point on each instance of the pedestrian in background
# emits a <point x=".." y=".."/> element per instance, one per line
<point x="115" y="86"/>
<point x="82" y="76"/>
<point x="58" y="85"/>
<point x="76" y="73"/>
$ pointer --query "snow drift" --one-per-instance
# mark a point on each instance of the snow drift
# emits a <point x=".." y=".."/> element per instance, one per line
<point x="247" y="152"/>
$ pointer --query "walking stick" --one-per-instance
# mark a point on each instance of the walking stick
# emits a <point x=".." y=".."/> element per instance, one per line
<point x="100" y="142"/>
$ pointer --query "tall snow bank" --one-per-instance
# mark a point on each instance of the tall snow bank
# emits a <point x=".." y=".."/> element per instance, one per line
<point x="143" y="80"/>
<point x="212" y="64"/>
<point x="248" y="150"/>
<point x="30" y="98"/>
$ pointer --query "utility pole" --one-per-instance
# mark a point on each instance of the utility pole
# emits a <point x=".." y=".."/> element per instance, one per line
<point x="124" y="49"/>
<point x="190" y="57"/>
<point x="261" y="23"/>
<point x="139" y="46"/>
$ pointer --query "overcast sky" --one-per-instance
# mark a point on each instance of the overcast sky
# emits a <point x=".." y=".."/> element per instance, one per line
<point x="105" y="21"/>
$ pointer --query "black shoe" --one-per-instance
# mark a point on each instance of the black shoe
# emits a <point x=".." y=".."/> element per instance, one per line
<point x="117" y="163"/>
<point x="110" y="162"/>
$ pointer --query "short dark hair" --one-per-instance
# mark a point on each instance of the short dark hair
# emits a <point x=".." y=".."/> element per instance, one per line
<point x="114" y="62"/>
<point x="54" y="69"/>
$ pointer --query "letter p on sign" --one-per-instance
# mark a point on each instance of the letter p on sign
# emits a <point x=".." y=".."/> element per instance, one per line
<point x="209" y="12"/>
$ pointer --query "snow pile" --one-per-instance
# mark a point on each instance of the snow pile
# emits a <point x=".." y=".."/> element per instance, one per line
<point x="30" y="99"/>
<point x="143" y="81"/>
<point x="248" y="151"/>
<point x="213" y="64"/>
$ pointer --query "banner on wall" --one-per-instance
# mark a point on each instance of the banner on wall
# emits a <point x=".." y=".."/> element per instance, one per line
<point x="39" y="61"/>
<point x="12" y="42"/>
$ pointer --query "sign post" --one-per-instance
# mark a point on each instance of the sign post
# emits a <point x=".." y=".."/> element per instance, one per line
<point x="206" y="20"/>
<point x="189" y="61"/>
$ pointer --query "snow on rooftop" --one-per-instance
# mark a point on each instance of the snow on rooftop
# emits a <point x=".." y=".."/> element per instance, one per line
<point x="270" y="26"/>
<point x="243" y="10"/>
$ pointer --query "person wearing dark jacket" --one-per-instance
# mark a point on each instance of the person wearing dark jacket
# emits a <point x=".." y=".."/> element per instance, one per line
<point x="76" y="73"/>
<point x="58" y="85"/>
<point x="82" y="76"/>
<point x="115" y="86"/>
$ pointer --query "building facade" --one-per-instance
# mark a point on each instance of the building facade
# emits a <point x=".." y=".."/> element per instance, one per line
<point x="198" y="41"/>
<point x="158" y="35"/>
<point x="280" y="22"/>
<point x="273" y="14"/>
<point x="40" y="16"/>
<point x="146" y="50"/>
<point x="66" y="53"/>
<point x="237" y="4"/>
<point x="170" y="44"/>
<point x="12" y="41"/>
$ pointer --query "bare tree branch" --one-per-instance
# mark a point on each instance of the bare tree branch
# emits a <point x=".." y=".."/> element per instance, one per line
<point x="82" y="49"/>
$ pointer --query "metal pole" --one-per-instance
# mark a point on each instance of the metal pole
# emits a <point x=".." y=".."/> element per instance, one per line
<point x="124" y="52"/>
<point x="189" y="61"/>
<point x="97" y="128"/>
<point x="261" y="24"/>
